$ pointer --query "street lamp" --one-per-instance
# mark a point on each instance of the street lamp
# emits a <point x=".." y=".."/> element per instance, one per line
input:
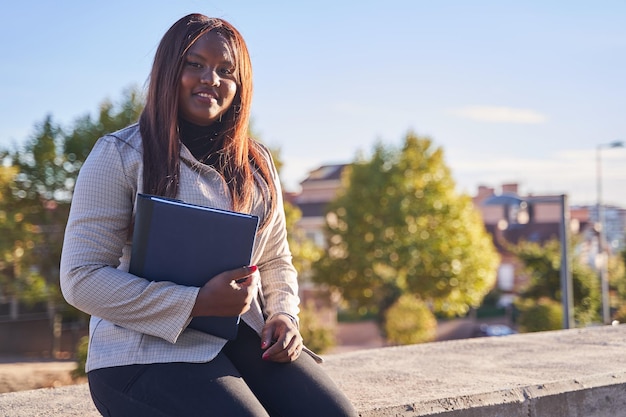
<point x="604" y="279"/>
<point x="567" y="293"/>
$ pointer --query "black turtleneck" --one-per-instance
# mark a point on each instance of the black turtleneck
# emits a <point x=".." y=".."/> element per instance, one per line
<point x="200" y="140"/>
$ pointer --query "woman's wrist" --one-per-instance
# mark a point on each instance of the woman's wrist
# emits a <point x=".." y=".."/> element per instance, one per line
<point x="201" y="306"/>
<point x="294" y="319"/>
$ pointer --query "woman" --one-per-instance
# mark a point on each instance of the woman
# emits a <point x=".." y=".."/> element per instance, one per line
<point x="191" y="144"/>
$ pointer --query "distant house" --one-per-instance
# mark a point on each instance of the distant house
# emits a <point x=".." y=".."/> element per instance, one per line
<point x="532" y="218"/>
<point x="318" y="189"/>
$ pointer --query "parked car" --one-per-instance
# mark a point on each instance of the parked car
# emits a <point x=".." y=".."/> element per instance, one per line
<point x="495" y="330"/>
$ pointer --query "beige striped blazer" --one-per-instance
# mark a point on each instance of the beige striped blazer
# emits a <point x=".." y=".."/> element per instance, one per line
<point x="134" y="320"/>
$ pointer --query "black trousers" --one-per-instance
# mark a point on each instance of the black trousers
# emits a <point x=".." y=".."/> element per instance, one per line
<point x="236" y="383"/>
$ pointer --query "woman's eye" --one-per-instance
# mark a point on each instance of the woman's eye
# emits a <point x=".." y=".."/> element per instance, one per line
<point x="193" y="64"/>
<point x="228" y="70"/>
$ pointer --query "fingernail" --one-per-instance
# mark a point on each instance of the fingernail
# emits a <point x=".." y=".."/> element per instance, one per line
<point x="265" y="356"/>
<point x="264" y="344"/>
<point x="252" y="268"/>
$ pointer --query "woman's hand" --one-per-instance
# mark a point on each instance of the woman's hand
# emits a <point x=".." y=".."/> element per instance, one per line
<point x="227" y="294"/>
<point x="281" y="338"/>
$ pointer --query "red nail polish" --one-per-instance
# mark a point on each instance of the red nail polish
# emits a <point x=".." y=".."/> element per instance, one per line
<point x="253" y="268"/>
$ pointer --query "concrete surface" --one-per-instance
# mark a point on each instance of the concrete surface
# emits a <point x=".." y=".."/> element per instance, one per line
<point x="573" y="373"/>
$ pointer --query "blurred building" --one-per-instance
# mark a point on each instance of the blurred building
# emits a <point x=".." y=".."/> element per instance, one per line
<point x="614" y="225"/>
<point x="318" y="190"/>
<point x="511" y="218"/>
<point x="538" y="220"/>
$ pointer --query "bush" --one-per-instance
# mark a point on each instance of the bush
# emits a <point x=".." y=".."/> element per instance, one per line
<point x="409" y="321"/>
<point x="81" y="357"/>
<point x="541" y="315"/>
<point x="620" y="314"/>
<point x="317" y="337"/>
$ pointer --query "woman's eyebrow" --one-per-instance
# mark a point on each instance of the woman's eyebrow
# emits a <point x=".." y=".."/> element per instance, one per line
<point x="226" y="59"/>
<point x="194" y="55"/>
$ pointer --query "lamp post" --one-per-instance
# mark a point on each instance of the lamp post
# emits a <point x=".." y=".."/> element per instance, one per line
<point x="567" y="287"/>
<point x="602" y="253"/>
<point x="567" y="293"/>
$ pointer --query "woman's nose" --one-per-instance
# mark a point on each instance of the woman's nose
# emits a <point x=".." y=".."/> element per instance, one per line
<point x="210" y="77"/>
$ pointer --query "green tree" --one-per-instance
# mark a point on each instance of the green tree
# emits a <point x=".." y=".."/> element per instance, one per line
<point x="42" y="192"/>
<point x="37" y="207"/>
<point x="399" y="227"/>
<point x="43" y="172"/>
<point x="304" y="251"/>
<point x="542" y="264"/>
<point x="16" y="241"/>
<point x="47" y="166"/>
<point x="617" y="280"/>
<point x="78" y="142"/>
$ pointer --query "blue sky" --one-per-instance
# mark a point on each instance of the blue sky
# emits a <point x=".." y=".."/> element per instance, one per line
<point x="512" y="91"/>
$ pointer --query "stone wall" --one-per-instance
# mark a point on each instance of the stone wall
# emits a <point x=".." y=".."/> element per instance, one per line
<point x="568" y="373"/>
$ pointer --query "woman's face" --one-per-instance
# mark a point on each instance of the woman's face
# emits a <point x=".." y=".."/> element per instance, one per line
<point x="208" y="84"/>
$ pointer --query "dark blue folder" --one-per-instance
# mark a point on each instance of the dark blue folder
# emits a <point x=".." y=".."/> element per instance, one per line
<point x="190" y="244"/>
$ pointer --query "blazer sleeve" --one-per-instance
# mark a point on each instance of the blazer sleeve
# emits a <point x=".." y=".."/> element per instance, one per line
<point x="96" y="234"/>
<point x="279" y="281"/>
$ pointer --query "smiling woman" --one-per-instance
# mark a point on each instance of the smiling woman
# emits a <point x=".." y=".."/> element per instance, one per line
<point x="191" y="144"/>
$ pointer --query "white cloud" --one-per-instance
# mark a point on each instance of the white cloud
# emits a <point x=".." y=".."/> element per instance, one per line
<point x="572" y="166"/>
<point x="495" y="114"/>
<point x="571" y="171"/>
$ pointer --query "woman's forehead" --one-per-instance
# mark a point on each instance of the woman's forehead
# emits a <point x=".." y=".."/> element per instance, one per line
<point x="213" y="42"/>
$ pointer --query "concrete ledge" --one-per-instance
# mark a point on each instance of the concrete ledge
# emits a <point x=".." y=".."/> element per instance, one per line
<point x="580" y="373"/>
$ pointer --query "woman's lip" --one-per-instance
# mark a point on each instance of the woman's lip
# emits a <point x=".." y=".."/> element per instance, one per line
<point x="206" y="94"/>
<point x="207" y="97"/>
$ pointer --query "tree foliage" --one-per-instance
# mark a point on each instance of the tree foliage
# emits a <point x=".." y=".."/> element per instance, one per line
<point x="16" y="238"/>
<point x="304" y="250"/>
<point x="37" y="184"/>
<point x="111" y="117"/>
<point x="399" y="227"/>
<point x="617" y="279"/>
<point x="542" y="264"/>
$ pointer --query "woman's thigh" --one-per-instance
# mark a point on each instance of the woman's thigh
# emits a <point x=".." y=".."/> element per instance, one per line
<point x="174" y="389"/>
<point x="301" y="388"/>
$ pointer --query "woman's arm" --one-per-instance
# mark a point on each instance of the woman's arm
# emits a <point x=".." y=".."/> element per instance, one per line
<point x="280" y="338"/>
<point x="279" y="281"/>
<point x="96" y="234"/>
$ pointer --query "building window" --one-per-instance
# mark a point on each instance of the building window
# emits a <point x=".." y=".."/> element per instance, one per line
<point x="506" y="277"/>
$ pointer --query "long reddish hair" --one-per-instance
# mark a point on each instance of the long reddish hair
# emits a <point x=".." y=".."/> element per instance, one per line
<point x="239" y="157"/>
